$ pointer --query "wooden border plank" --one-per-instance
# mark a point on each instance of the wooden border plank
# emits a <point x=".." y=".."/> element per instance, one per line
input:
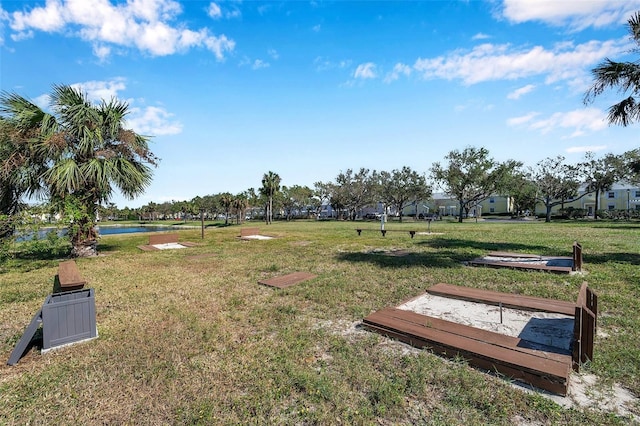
<point x="508" y="300"/>
<point x="288" y="280"/>
<point x="545" y="373"/>
<point x="502" y="340"/>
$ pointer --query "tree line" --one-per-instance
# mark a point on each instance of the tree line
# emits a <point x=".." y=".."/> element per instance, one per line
<point x="469" y="176"/>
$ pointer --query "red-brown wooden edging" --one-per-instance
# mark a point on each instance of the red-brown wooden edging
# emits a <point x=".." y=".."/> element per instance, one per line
<point x="508" y="300"/>
<point x="576" y="261"/>
<point x="287" y="280"/>
<point x="493" y="351"/>
<point x="577" y="256"/>
<point x="481" y="348"/>
<point x="248" y="232"/>
<point x="69" y="277"/>
<point x="156" y="239"/>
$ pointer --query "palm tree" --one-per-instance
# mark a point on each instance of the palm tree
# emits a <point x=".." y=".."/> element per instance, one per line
<point x="270" y="186"/>
<point x="226" y="202"/>
<point x="623" y="75"/>
<point x="89" y="154"/>
<point x="19" y="162"/>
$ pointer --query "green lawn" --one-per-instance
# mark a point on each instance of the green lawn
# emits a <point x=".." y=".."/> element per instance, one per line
<point x="188" y="340"/>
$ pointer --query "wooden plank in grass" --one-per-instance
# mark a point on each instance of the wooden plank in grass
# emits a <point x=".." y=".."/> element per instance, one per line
<point x="481" y="348"/>
<point x="287" y="280"/>
<point x="508" y="300"/>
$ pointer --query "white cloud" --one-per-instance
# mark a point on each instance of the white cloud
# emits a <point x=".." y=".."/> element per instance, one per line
<point x="323" y="64"/>
<point x="516" y="94"/>
<point x="43" y="101"/>
<point x="149" y="121"/>
<point x="591" y="148"/>
<point x="101" y="90"/>
<point x="365" y="71"/>
<point x="273" y="53"/>
<point x="101" y="51"/>
<point x="480" y="36"/>
<point x="316" y="28"/>
<point x="259" y="63"/>
<point x="146" y="25"/>
<point x="48" y="18"/>
<point x="4" y="16"/>
<point x="574" y="14"/>
<point x="488" y="62"/>
<point x="398" y="70"/>
<point x="214" y="11"/>
<point x="580" y="121"/>
<point x="153" y="121"/>
<point x="518" y="121"/>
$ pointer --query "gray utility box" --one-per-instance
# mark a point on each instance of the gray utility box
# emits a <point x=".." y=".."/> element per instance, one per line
<point x="68" y="317"/>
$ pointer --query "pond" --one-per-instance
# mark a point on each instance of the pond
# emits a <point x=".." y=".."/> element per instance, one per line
<point x="124" y="229"/>
<point x="104" y="230"/>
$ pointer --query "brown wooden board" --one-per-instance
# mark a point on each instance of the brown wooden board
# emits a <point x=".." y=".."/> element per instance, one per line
<point x="287" y="280"/>
<point x="507" y="300"/>
<point x="483" y="349"/>
<point x="69" y="276"/>
<point x="246" y="232"/>
<point x="162" y="239"/>
<point x="513" y="343"/>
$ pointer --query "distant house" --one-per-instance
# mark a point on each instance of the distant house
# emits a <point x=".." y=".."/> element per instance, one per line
<point x="620" y="197"/>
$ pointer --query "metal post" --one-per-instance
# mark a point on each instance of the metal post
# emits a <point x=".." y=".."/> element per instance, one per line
<point x="202" y="221"/>
<point x="628" y="201"/>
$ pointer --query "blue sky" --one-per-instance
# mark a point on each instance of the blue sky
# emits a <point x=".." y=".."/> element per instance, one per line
<point x="231" y="90"/>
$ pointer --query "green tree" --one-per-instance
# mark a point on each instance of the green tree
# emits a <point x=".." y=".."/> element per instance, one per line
<point x="253" y="201"/>
<point x="89" y="155"/>
<point x="295" y="199"/>
<point x="402" y="187"/>
<point x="270" y="186"/>
<point x="20" y="161"/>
<point x="625" y="76"/>
<point x="522" y="192"/>
<point x="321" y="195"/>
<point x="471" y="176"/>
<point x="556" y="182"/>
<point x="354" y="190"/>
<point x="601" y="174"/>
<point x="226" y="202"/>
<point x="240" y="205"/>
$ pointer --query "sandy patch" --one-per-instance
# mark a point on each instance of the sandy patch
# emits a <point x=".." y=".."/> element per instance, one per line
<point x="257" y="237"/>
<point x="169" y="246"/>
<point x="546" y="261"/>
<point x="539" y="328"/>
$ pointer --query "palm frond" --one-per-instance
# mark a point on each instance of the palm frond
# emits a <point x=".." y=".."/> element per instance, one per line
<point x="64" y="177"/>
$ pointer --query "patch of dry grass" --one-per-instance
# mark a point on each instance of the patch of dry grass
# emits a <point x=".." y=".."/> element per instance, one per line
<point x="195" y="340"/>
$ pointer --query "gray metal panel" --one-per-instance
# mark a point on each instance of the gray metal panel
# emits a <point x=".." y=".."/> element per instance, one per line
<point x="69" y="317"/>
<point x="18" y="351"/>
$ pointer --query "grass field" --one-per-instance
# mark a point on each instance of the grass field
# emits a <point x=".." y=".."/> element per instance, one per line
<point x="188" y="336"/>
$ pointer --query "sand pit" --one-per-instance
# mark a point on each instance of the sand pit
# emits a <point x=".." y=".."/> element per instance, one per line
<point x="168" y="246"/>
<point x="256" y="237"/>
<point x="542" y="329"/>
<point x="542" y="260"/>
